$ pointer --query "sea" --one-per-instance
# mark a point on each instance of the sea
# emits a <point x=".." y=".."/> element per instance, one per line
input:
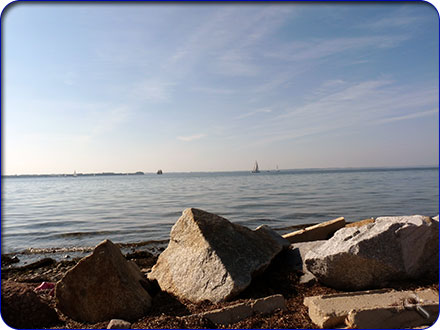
<point x="64" y="217"/>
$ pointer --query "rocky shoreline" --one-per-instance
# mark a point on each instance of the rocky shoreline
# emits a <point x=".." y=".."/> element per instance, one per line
<point x="215" y="274"/>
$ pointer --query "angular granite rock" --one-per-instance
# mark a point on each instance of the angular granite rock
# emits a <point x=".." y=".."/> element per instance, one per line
<point x="372" y="255"/>
<point x="210" y="258"/>
<point x="103" y="286"/>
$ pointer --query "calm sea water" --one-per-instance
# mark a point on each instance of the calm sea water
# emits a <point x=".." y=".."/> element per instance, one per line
<point x="68" y="212"/>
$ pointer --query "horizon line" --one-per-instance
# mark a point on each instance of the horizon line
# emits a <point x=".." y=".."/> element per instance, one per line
<point x="224" y="171"/>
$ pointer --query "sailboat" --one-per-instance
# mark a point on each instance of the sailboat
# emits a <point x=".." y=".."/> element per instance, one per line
<point x="256" y="170"/>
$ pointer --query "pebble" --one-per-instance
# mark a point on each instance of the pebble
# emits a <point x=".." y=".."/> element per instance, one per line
<point x="118" y="324"/>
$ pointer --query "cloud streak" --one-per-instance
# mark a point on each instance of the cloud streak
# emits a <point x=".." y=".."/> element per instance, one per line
<point x="408" y="116"/>
<point x="190" y="138"/>
<point x="339" y="105"/>
<point x="155" y="91"/>
<point x="322" y="48"/>
<point x="253" y="113"/>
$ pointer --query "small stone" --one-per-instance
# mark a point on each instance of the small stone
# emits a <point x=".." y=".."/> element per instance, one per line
<point x="118" y="324"/>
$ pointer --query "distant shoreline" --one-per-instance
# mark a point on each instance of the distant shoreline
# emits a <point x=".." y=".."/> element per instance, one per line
<point x="297" y="170"/>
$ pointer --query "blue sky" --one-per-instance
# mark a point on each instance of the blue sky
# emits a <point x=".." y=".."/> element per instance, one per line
<point x="188" y="87"/>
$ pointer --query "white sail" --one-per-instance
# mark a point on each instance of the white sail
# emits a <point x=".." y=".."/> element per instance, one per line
<point x="256" y="170"/>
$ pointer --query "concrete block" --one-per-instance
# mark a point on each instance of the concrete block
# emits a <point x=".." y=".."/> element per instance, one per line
<point x="395" y="317"/>
<point x="229" y="314"/>
<point x="333" y="310"/>
<point x="268" y="304"/>
<point x="238" y="312"/>
<point x="317" y="232"/>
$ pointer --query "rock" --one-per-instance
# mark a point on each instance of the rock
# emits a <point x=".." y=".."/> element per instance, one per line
<point x="22" y="308"/>
<point x="317" y="232"/>
<point x="238" y="312"/>
<point x="307" y="278"/>
<point x="372" y="255"/>
<point x="102" y="286"/>
<point x="142" y="258"/>
<point x="293" y="259"/>
<point x="359" y="223"/>
<point x="139" y="255"/>
<point x="40" y="263"/>
<point x="7" y="260"/>
<point x="118" y="324"/>
<point x="372" y="309"/>
<point x="210" y="258"/>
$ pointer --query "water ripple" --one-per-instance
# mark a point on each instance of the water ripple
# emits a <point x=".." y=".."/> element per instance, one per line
<point x="73" y="213"/>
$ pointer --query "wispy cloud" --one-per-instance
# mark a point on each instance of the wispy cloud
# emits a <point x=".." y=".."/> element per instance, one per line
<point x="349" y="98"/>
<point x="321" y="48"/>
<point x="408" y="116"/>
<point x="252" y="113"/>
<point x="70" y="78"/>
<point x="236" y="63"/>
<point x="344" y="106"/>
<point x="110" y="119"/>
<point x="153" y="91"/>
<point x="396" y="21"/>
<point x="401" y="18"/>
<point x="278" y="79"/>
<point x="213" y="90"/>
<point x="190" y="138"/>
<point x="228" y="42"/>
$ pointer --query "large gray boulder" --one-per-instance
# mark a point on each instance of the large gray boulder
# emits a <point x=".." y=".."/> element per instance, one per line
<point x="103" y="286"/>
<point x="372" y="255"/>
<point x="210" y="258"/>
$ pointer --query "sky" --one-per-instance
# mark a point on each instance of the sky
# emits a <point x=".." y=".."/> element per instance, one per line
<point x="215" y="87"/>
